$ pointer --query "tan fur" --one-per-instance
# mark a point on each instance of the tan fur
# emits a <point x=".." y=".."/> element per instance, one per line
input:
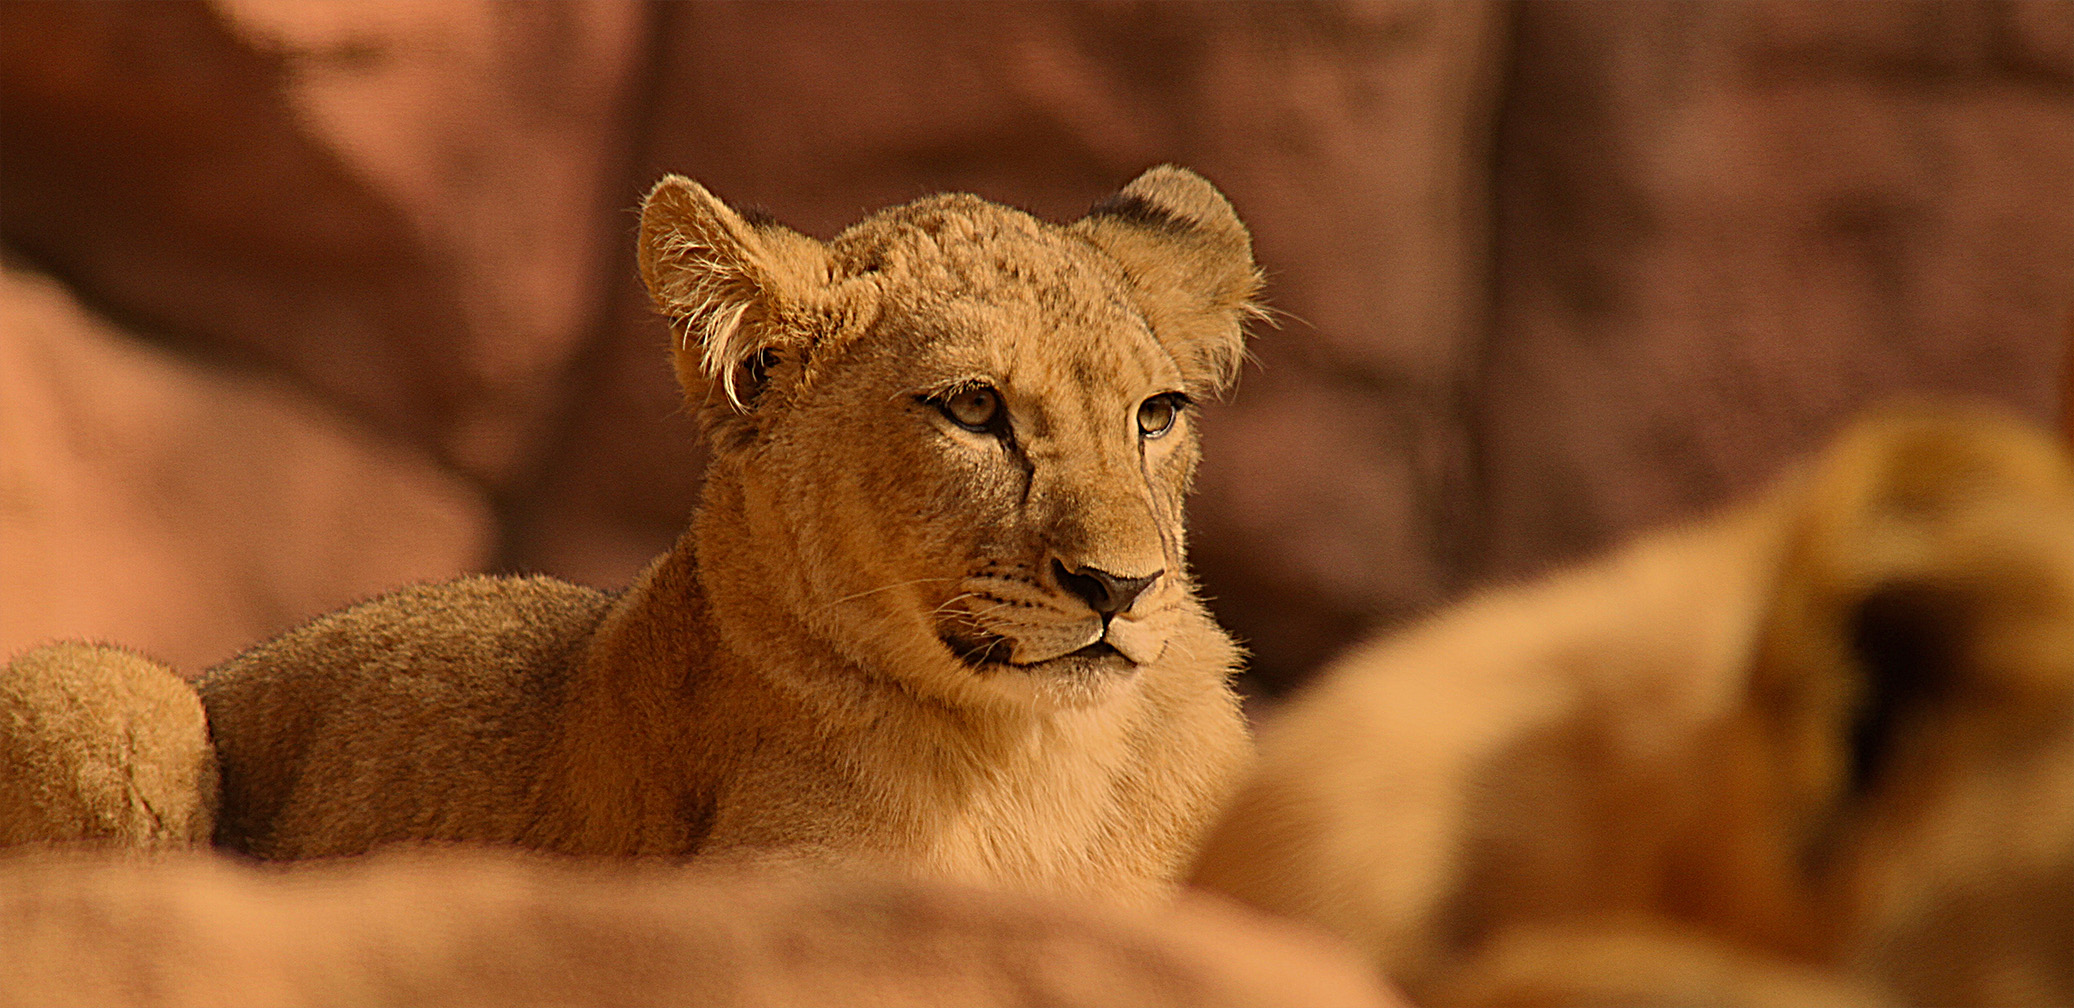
<point x="787" y="682"/>
<point x="1827" y="739"/>
<point x="102" y="745"/>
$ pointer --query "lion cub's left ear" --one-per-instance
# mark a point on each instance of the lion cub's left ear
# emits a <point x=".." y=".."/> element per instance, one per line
<point x="1191" y="264"/>
<point x="726" y="282"/>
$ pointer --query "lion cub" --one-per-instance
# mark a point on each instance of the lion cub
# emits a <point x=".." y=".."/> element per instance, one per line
<point x="934" y="608"/>
<point x="1817" y="750"/>
<point x="104" y="746"/>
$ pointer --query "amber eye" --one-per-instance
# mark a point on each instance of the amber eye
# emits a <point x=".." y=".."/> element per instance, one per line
<point x="759" y="364"/>
<point x="1156" y="415"/>
<point x="976" y="408"/>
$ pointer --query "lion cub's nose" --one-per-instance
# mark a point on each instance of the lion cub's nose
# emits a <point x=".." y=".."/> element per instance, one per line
<point x="1106" y="593"/>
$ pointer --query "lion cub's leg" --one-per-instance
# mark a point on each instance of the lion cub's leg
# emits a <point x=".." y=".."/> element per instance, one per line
<point x="102" y="744"/>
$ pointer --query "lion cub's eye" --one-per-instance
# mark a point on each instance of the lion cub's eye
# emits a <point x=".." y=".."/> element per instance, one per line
<point x="758" y="366"/>
<point x="976" y="408"/>
<point x="1156" y="415"/>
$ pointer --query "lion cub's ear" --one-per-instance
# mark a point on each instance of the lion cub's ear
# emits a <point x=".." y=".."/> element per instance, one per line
<point x="1191" y="263"/>
<point x="1927" y="592"/>
<point x="725" y="282"/>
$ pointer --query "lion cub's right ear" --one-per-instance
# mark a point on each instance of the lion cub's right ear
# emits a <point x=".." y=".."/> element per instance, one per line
<point x="726" y="283"/>
<point x="1190" y="263"/>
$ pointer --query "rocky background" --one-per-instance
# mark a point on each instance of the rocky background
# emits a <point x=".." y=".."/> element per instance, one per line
<point x="301" y="302"/>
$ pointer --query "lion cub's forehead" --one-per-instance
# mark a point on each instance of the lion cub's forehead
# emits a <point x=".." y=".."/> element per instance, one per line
<point x="990" y="291"/>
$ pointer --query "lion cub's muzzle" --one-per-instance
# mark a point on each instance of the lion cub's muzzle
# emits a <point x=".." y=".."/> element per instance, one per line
<point x="1080" y="623"/>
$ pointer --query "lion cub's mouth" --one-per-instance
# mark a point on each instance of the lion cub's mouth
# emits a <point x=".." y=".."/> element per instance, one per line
<point x="991" y="654"/>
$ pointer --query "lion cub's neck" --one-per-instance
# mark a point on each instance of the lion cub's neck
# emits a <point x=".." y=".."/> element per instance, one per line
<point x="865" y="765"/>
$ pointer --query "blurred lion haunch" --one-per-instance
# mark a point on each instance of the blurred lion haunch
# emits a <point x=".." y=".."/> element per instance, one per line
<point x="1817" y="750"/>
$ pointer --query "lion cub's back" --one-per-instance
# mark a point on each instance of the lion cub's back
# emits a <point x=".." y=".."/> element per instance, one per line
<point x="419" y="715"/>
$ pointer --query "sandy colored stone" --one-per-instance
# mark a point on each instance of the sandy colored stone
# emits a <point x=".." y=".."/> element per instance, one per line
<point x="460" y="927"/>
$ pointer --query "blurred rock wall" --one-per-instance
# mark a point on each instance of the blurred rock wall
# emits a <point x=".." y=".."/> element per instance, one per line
<point x="304" y="301"/>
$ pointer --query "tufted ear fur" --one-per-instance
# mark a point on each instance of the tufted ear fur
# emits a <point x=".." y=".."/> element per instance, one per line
<point x="1190" y="261"/>
<point x="1931" y="575"/>
<point x="724" y="280"/>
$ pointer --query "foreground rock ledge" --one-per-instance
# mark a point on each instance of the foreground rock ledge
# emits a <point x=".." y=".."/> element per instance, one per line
<point x="468" y="927"/>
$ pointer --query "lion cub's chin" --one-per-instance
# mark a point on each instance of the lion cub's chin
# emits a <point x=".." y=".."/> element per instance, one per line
<point x="1078" y="680"/>
<point x="1142" y="641"/>
<point x="1075" y="672"/>
<point x="1120" y="647"/>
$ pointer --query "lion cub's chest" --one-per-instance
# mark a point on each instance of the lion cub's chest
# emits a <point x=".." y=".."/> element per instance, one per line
<point x="1051" y="813"/>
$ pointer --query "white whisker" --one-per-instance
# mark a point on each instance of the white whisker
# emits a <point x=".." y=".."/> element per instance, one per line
<point x="977" y="613"/>
<point x="890" y="587"/>
<point x="945" y="608"/>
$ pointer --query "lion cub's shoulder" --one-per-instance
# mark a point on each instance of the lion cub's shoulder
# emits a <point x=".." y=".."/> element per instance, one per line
<point x="500" y="620"/>
<point x="464" y="676"/>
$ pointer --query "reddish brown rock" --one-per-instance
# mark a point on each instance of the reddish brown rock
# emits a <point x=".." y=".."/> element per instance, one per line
<point x="1352" y="137"/>
<point x="187" y="511"/>
<point x="1723" y="229"/>
<point x="1551" y="273"/>
<point x="462" y="928"/>
<point x="2067" y="394"/>
<point x="403" y="207"/>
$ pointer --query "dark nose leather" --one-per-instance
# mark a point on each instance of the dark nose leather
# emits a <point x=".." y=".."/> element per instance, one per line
<point x="1104" y="592"/>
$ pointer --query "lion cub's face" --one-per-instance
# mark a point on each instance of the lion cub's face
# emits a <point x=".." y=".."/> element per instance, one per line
<point x="960" y="436"/>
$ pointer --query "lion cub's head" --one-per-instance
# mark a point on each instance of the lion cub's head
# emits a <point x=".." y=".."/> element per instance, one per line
<point x="953" y="442"/>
